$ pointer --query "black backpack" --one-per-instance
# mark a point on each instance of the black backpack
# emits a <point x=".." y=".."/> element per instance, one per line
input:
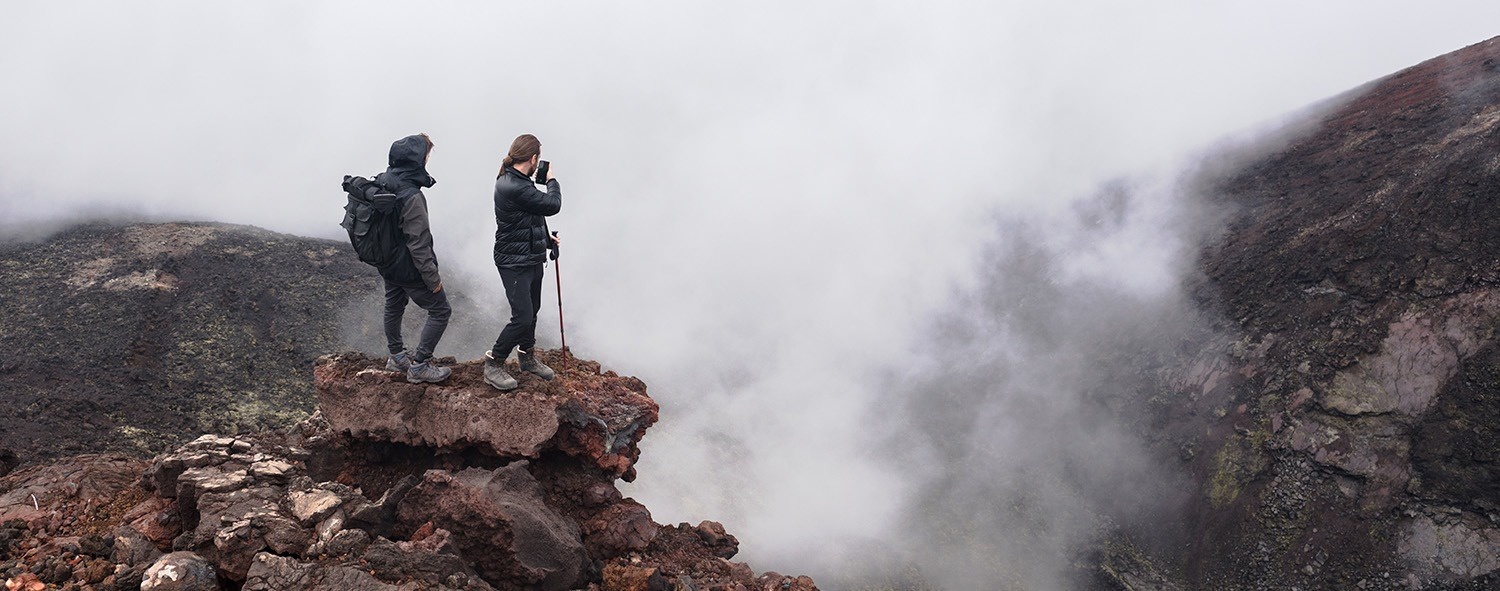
<point x="373" y="219"/>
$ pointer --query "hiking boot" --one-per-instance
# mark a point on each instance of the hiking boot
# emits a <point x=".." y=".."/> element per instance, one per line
<point x="529" y="363"/>
<point x="427" y="372"/>
<point x="495" y="374"/>
<point x="399" y="362"/>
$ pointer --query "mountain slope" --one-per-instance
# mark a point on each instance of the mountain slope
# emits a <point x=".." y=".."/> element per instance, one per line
<point x="1345" y="435"/>
<point x="134" y="338"/>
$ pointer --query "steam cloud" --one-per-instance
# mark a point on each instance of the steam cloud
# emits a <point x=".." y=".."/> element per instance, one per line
<point x="859" y="250"/>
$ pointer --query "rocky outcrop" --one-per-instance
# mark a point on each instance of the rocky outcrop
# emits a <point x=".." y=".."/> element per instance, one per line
<point x="354" y="499"/>
<point x="596" y="417"/>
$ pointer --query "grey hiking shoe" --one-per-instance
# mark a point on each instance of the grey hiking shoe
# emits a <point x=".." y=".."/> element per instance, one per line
<point x="530" y="363"/>
<point x="427" y="372"/>
<point x="399" y="362"/>
<point x="495" y="374"/>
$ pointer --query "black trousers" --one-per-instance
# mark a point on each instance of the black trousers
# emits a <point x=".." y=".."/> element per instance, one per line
<point x="438" y="311"/>
<point x="523" y="289"/>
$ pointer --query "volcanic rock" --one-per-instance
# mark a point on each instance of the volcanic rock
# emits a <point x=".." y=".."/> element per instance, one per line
<point x="180" y="571"/>
<point x="1342" y="415"/>
<point x="503" y="522"/>
<point x="620" y="528"/>
<point x="130" y="548"/>
<point x="31" y="494"/>
<point x="280" y="573"/>
<point x="319" y="507"/>
<point x="601" y="419"/>
<point x="620" y="577"/>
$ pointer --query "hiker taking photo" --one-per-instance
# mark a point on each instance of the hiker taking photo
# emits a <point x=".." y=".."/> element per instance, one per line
<point x="388" y="225"/>
<point x="521" y="245"/>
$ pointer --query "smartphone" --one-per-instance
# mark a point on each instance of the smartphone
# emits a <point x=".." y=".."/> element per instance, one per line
<point x="541" y="172"/>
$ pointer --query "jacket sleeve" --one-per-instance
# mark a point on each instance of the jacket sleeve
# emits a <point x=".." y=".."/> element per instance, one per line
<point x="419" y="239"/>
<point x="534" y="201"/>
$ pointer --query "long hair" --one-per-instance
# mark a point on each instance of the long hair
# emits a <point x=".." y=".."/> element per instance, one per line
<point x="521" y="150"/>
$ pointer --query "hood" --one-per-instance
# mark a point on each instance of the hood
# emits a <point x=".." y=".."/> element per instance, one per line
<point x="408" y="161"/>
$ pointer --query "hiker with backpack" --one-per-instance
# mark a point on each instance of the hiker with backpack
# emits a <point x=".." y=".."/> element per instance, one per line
<point x="388" y="225"/>
<point x="521" y="245"/>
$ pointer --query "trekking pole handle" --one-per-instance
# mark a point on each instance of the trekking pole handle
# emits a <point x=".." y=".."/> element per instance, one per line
<point x="554" y="248"/>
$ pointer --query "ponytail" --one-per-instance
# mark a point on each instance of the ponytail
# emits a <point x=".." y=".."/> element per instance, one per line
<point x="522" y="149"/>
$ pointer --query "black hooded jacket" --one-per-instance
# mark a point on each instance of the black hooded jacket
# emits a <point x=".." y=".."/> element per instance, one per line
<point x="520" y="218"/>
<point x="406" y="176"/>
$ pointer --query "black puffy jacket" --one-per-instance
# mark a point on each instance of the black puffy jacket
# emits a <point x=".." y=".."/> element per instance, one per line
<point x="520" y="218"/>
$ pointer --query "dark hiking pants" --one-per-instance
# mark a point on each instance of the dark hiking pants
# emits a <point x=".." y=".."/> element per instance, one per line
<point x="438" y="311"/>
<point x="523" y="289"/>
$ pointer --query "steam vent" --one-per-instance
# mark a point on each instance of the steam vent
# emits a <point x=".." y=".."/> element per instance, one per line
<point x="388" y="486"/>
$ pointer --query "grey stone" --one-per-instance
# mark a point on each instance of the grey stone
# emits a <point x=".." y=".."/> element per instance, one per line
<point x="348" y="542"/>
<point x="131" y="548"/>
<point x="314" y="505"/>
<point x="180" y="571"/>
<point x="271" y="469"/>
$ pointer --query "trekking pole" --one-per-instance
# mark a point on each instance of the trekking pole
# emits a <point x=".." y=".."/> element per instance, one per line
<point x="561" y="331"/>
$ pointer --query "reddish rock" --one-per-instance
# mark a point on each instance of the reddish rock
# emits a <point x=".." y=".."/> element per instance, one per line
<point x="32" y="493"/>
<point x="312" y="508"/>
<point x="776" y="582"/>
<point x="623" y="527"/>
<point x="619" y="577"/>
<point x="718" y="541"/>
<point x="358" y="397"/>
<point x="24" y="582"/>
<point x="599" y="418"/>
<point x="156" y="519"/>
<point x="500" y="521"/>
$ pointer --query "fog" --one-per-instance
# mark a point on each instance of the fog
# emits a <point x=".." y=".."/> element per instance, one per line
<point x="867" y="255"/>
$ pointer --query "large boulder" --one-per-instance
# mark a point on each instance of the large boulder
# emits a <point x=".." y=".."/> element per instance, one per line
<point x="502" y="522"/>
<point x="620" y="528"/>
<point x="181" y="571"/>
